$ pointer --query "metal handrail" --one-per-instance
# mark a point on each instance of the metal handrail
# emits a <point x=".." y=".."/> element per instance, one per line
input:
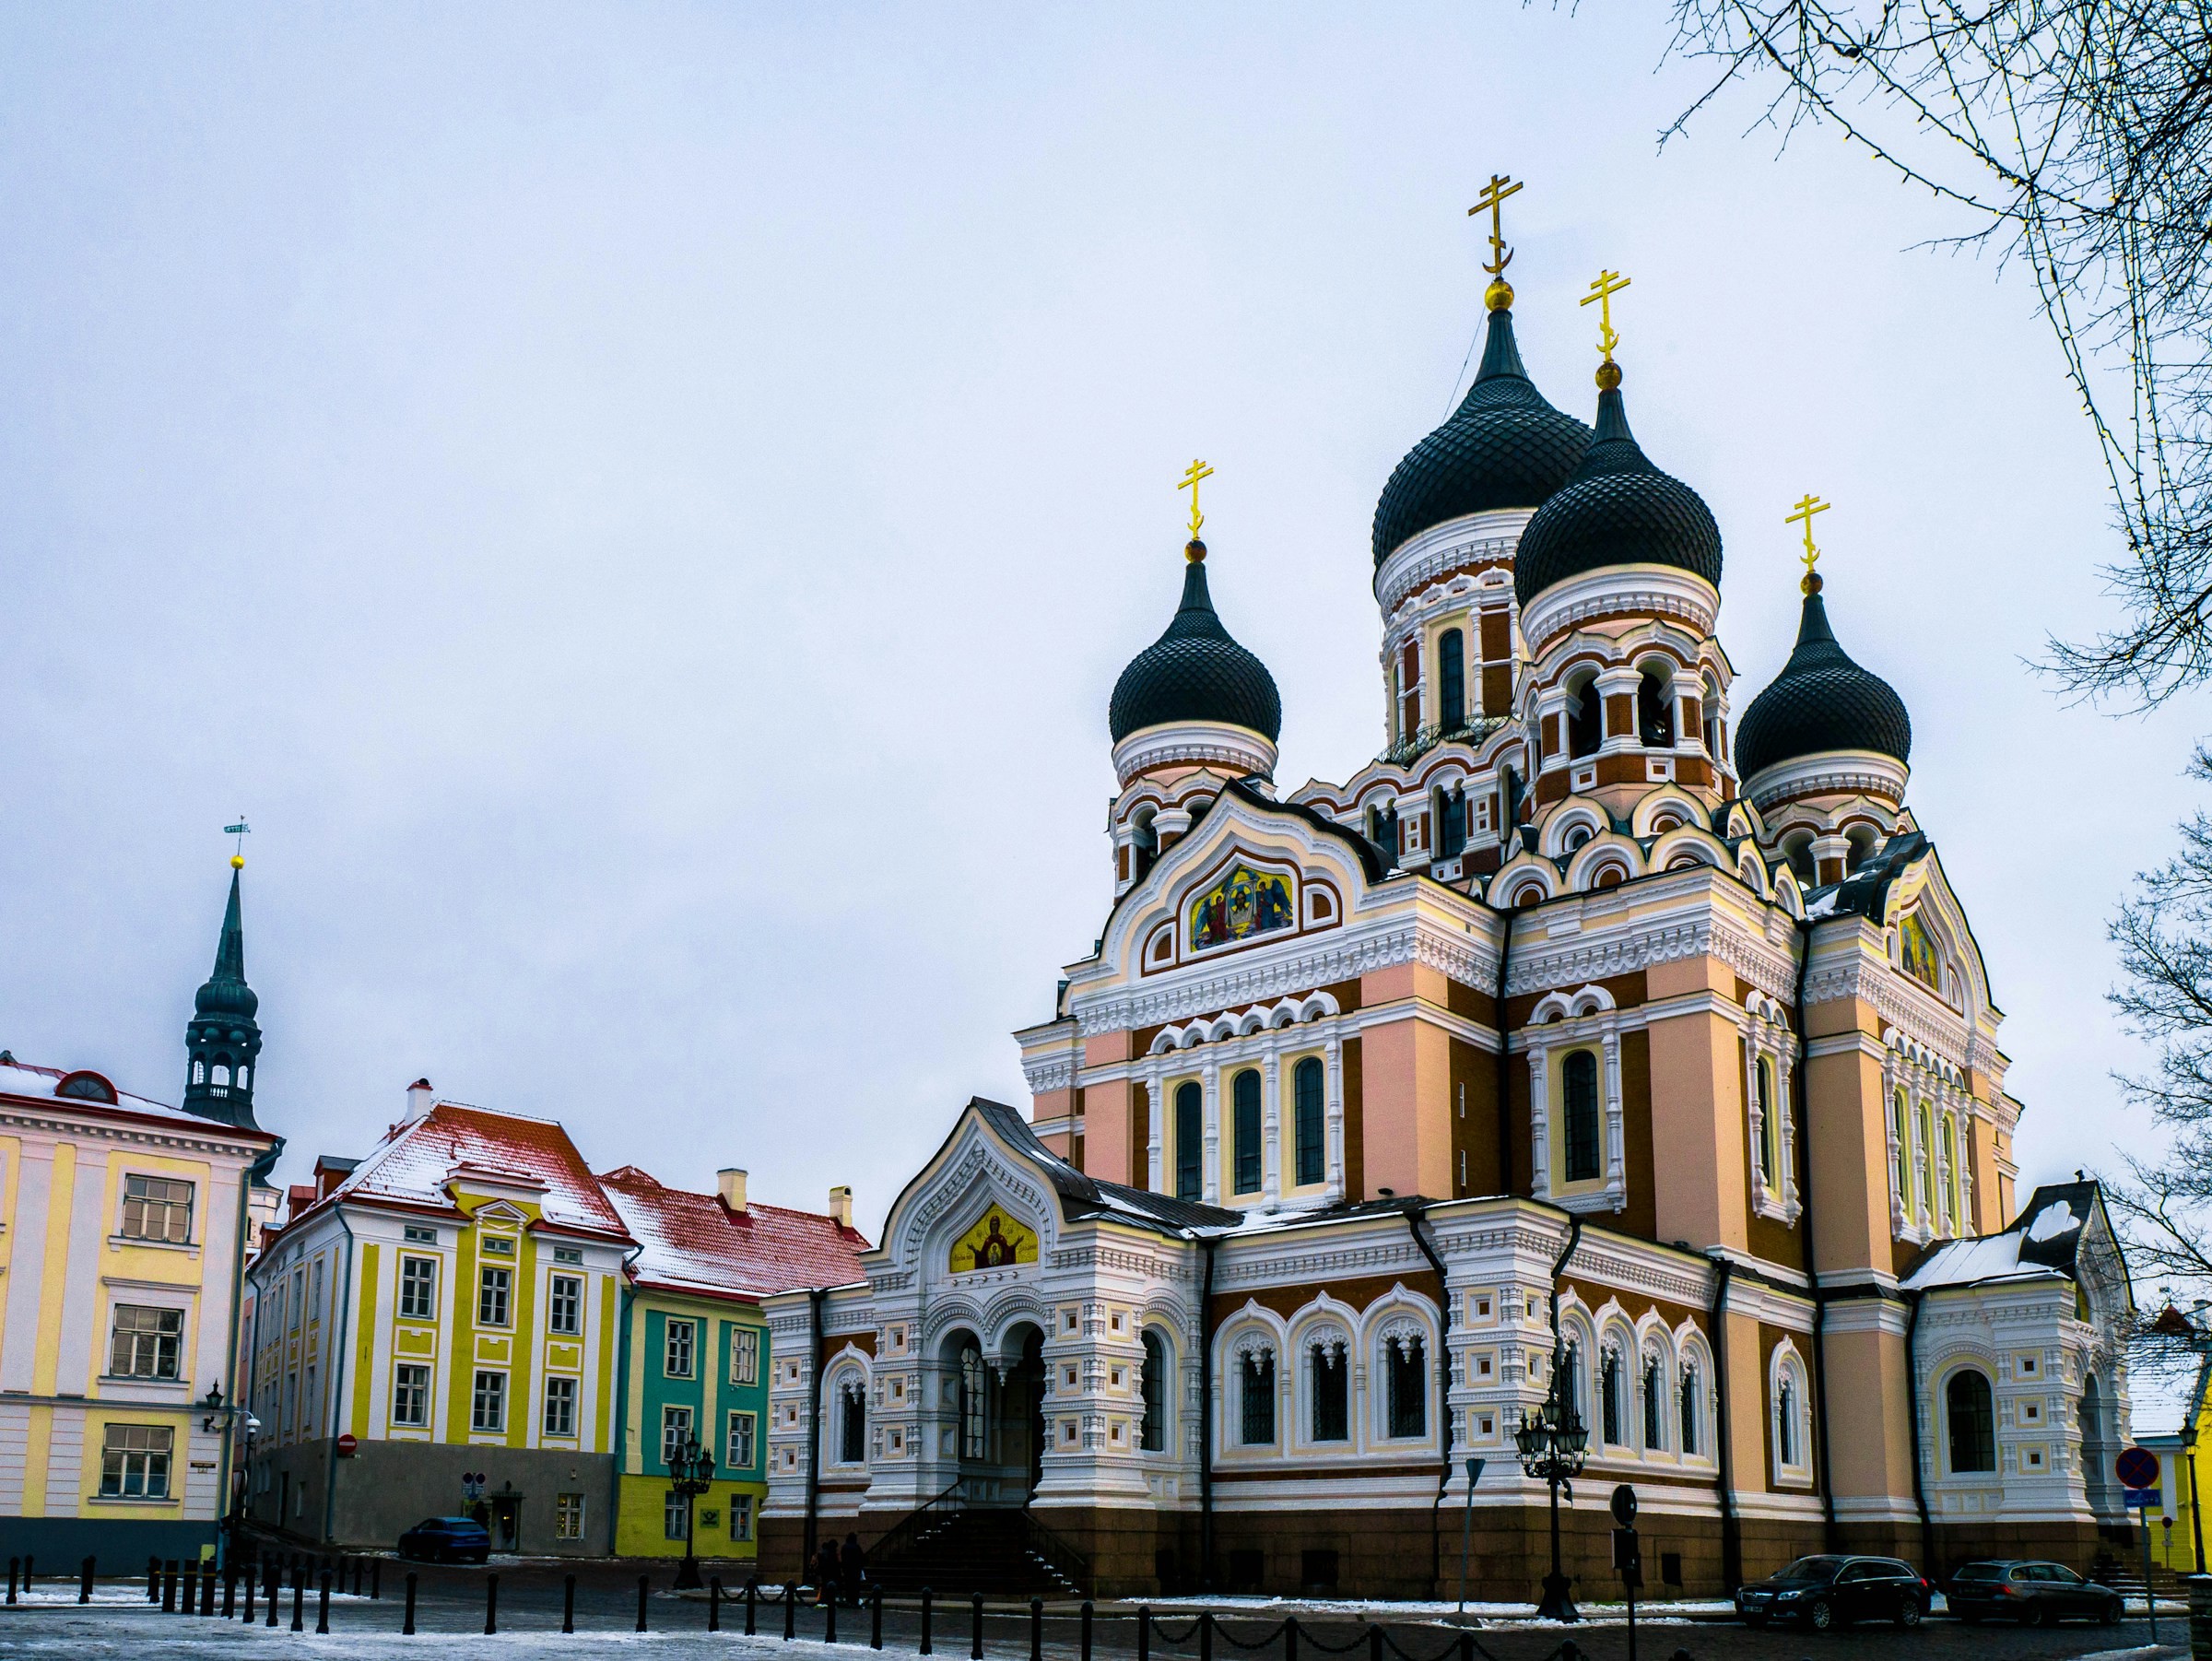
<point x="1423" y="740"/>
<point x="906" y="1532"/>
<point x="1070" y="1564"/>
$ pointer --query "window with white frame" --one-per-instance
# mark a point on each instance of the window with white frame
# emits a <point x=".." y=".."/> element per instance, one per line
<point x="568" y="1516"/>
<point x="1687" y="1407"/>
<point x="418" y="1288"/>
<point x="1789" y="1421"/>
<point x="1329" y="1386"/>
<point x="410" y="1394"/>
<point x="676" y="1433"/>
<point x="1654" y="1404"/>
<point x="1256" y="1392"/>
<point x="487" y="1403"/>
<point x="494" y="1287"/>
<point x="1611" y="1418"/>
<point x="564" y="1305"/>
<point x="1405" y="1383"/>
<point x="135" y="1460"/>
<point x="745" y="1355"/>
<point x="145" y="1341"/>
<point x="1152" y="1434"/>
<point x="682" y="1341"/>
<point x="741" y="1517"/>
<point x="156" y="1207"/>
<point x="738" y="1449"/>
<point x="561" y="1406"/>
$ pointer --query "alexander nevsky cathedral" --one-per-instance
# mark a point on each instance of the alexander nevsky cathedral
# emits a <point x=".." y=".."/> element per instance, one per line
<point x="1608" y="1052"/>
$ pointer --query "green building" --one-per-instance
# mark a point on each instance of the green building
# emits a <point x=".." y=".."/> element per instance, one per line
<point x="694" y="1359"/>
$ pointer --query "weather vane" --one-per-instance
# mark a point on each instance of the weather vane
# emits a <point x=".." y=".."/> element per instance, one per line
<point x="1806" y="507"/>
<point x="237" y="857"/>
<point x="1607" y="285"/>
<point x="1196" y="471"/>
<point x="1500" y="294"/>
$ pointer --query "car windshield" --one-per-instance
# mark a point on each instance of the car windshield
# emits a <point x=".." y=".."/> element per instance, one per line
<point x="1822" y="1569"/>
<point x="1979" y="1571"/>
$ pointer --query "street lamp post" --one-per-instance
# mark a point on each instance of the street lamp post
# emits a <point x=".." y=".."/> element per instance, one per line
<point x="691" y="1473"/>
<point x="1553" y="1442"/>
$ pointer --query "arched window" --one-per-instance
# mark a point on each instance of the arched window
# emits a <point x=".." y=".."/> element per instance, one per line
<point x="1144" y="845"/>
<point x="1767" y="1161"/>
<point x="1450" y="807"/>
<point x="1927" y="1157"/>
<point x="972" y="1386"/>
<point x="1797" y="848"/>
<point x="1654" y="1404"/>
<point x="1407" y="1364"/>
<point x="1578" y="1084"/>
<point x="1973" y="1416"/>
<point x="1690" y="1408"/>
<point x="1383" y="831"/>
<point x="199" y="1072"/>
<point x="1860" y="839"/>
<point x="852" y="1425"/>
<point x="1257" y="1428"/>
<point x="222" y="1074"/>
<point x="1901" y="1170"/>
<point x="1409" y="696"/>
<point x="1585" y="723"/>
<point x="1451" y="681"/>
<point x="1654" y="711"/>
<point x="1566" y="1380"/>
<point x="1305" y="1089"/>
<point x="1153" y="1437"/>
<point x="1244" y="1093"/>
<point x="1785" y="1421"/>
<point x="1190" y="1141"/>
<point x="1947" y="1176"/>
<point x="1330" y="1376"/>
<point x="1609" y="1396"/>
<point x="245" y="1077"/>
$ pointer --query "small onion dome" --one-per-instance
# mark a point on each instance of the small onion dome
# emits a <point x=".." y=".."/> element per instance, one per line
<point x="1820" y="701"/>
<point x="1194" y="672"/>
<point x="1617" y="510"/>
<point x="1504" y="447"/>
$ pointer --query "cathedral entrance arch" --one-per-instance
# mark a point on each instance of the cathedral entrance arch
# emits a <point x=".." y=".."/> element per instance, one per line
<point x="996" y="1400"/>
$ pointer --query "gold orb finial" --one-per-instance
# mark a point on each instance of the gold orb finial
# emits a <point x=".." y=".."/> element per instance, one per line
<point x="1499" y="296"/>
<point x="1609" y="375"/>
<point x="238" y="862"/>
<point x="1195" y="551"/>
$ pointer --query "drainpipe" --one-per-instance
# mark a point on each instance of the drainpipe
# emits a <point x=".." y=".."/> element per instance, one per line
<point x="815" y="1298"/>
<point x="625" y="1298"/>
<point x="337" y="1379"/>
<point x="1417" y="1212"/>
<point x="1206" y="1424"/>
<point x="1732" y="1533"/>
<point x="1799" y="1099"/>
<point x="241" y="1404"/>
<point x="1920" y="1491"/>
<point x="1505" y="1069"/>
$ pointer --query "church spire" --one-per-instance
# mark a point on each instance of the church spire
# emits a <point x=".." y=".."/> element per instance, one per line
<point x="222" y="1041"/>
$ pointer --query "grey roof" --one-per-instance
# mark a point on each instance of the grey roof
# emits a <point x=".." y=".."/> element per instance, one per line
<point x="1083" y="1197"/>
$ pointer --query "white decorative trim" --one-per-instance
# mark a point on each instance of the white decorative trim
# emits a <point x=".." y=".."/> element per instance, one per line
<point x="1192" y="744"/>
<point x="1051" y="1072"/>
<point x="1456" y="543"/>
<point x="1663" y="590"/>
<point x="1771" y="970"/>
<point x="1828" y="773"/>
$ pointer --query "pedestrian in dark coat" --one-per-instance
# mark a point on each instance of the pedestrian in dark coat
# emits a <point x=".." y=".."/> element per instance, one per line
<point x="853" y="1566"/>
<point x="825" y="1571"/>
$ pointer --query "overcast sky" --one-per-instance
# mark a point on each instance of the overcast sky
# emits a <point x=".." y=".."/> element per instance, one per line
<point x="642" y="508"/>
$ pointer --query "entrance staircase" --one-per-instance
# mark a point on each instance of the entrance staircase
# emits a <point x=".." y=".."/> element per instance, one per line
<point x="953" y="1548"/>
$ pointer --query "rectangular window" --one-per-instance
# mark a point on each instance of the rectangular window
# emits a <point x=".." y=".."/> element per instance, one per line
<point x="1190" y="1141"/>
<point x="156" y="1208"/>
<point x="740" y="1449"/>
<point x="568" y="1253"/>
<point x="568" y="1516"/>
<point x="134" y="1461"/>
<point x="1305" y="1088"/>
<point x="492" y="1287"/>
<point x="1580" y="1089"/>
<point x="498" y="1246"/>
<point x="145" y="1342"/>
<point x="741" y="1516"/>
<point x="299" y="1298"/>
<point x="1332" y="1393"/>
<point x="676" y="1430"/>
<point x="489" y="1409"/>
<point x="418" y="1288"/>
<point x="410" y="1394"/>
<point x="561" y="1406"/>
<point x="564" y="1308"/>
<point x="681" y="1336"/>
<point x="676" y="1516"/>
<point x="1244" y="1100"/>
<point x="416" y="1234"/>
<point x="745" y="1355"/>
<point x="314" y="1296"/>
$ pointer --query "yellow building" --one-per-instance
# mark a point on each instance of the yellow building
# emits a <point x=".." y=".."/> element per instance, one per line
<point x="2172" y="1416"/>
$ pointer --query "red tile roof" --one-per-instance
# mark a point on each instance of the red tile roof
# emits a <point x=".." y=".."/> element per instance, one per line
<point x="692" y="1243"/>
<point x="414" y="1164"/>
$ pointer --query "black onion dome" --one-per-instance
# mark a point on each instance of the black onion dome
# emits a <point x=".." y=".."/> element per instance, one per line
<point x="1194" y="672"/>
<point x="1820" y="701"/>
<point x="1504" y="447"/>
<point x="1617" y="510"/>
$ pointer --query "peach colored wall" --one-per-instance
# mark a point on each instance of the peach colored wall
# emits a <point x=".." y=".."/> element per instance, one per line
<point x="1110" y="1149"/>
<point x="1989" y="1206"/>
<point x="1406" y="1120"/>
<point x="1869" y="1418"/>
<point x="1747" y="1404"/>
<point x="1051" y="1105"/>
<point x="1697" y="1114"/>
<point x="1106" y="1048"/>
<point x="1849" y="1148"/>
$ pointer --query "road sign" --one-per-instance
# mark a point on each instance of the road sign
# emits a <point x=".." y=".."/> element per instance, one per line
<point x="1624" y="1505"/>
<point x="347" y="1444"/>
<point x="2137" y="1467"/>
<point x="2140" y="1499"/>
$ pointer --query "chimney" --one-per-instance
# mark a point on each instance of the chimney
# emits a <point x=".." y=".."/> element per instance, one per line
<point x="840" y="1205"/>
<point x="729" y="1182"/>
<point x="419" y="1095"/>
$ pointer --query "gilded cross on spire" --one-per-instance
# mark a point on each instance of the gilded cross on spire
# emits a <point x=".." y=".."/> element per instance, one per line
<point x="1807" y="505"/>
<point x="1607" y="285"/>
<point x="1192" y="475"/>
<point x="1500" y="295"/>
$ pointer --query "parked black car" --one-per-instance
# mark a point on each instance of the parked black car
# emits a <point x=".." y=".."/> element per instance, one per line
<point x="1825" y="1592"/>
<point x="2035" y="1593"/>
<point x="447" y="1540"/>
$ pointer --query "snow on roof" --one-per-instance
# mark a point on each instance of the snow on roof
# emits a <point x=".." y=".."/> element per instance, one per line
<point x="455" y="1143"/>
<point x="36" y="1083"/>
<point x="2042" y="1242"/>
<point x="1958" y="1262"/>
<point x="692" y="1243"/>
<point x="2164" y="1383"/>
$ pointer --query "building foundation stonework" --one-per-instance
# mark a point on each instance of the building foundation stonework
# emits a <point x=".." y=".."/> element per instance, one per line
<point x="1595" y="1044"/>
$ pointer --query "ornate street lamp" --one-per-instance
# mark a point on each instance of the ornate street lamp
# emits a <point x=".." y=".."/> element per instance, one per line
<point x="690" y="1473"/>
<point x="1553" y="1442"/>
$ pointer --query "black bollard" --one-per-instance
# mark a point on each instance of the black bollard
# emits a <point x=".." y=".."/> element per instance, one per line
<point x="169" y="1588"/>
<point x="1290" y="1640"/>
<point x="207" y="1590"/>
<point x="15" y="1565"/>
<point x="376" y="1579"/>
<point x="876" y="1618"/>
<point x="230" y="1591"/>
<point x="27" y="1573"/>
<point x="1374" y="1642"/>
<point x="1467" y="1646"/>
<point x="644" y="1591"/>
<point x="830" y="1617"/>
<point x="713" y="1602"/>
<point x="1205" y="1637"/>
<point x="323" y="1607"/>
<point x="975" y="1640"/>
<point x="84" y="1582"/>
<point x="408" y="1627"/>
<point x="1086" y="1637"/>
<point x="1035" y="1628"/>
<point x="153" y="1578"/>
<point x="188" y="1589"/>
<point x="925" y="1648"/>
<point x="752" y="1603"/>
<point x="299" y="1600"/>
<point x="568" y="1603"/>
<point x="274" y="1588"/>
<point x="1144" y="1631"/>
<point x="491" y="1603"/>
<point x="791" y="1610"/>
<point x="248" y="1578"/>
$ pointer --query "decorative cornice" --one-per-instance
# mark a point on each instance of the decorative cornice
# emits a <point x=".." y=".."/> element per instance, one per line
<point x="1833" y="773"/>
<point x="1766" y="967"/>
<point x="1192" y="744"/>
<point x="1642" y="590"/>
<point x="1474" y="539"/>
<point x="1051" y="1072"/>
<point x="1875" y="982"/>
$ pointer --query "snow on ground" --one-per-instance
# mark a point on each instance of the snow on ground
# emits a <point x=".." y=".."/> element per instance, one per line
<point x="1519" y="1614"/>
<point x="66" y="1637"/>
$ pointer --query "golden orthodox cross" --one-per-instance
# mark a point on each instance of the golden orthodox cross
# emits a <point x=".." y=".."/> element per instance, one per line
<point x="1493" y="196"/>
<point x="1196" y="471"/>
<point x="1607" y="285"/>
<point x="1807" y="506"/>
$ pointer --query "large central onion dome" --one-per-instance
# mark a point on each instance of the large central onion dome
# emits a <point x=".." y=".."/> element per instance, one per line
<point x="1196" y="673"/>
<point x="1820" y="702"/>
<point x="1504" y="447"/>
<point x="1617" y="510"/>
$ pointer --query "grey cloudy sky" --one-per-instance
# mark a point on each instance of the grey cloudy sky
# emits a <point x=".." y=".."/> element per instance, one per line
<point x="642" y="507"/>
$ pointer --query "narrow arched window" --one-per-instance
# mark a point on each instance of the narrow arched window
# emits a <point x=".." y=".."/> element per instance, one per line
<point x="1451" y="681"/>
<point x="1329" y="1376"/>
<point x="1901" y="1168"/>
<point x="1926" y="1157"/>
<point x="1257" y="1427"/>
<point x="1654" y="712"/>
<point x="972" y="1402"/>
<point x="1566" y="1380"/>
<point x="1145" y="840"/>
<point x="1306" y="1090"/>
<point x="1408" y="1387"/>
<point x="1244" y="1093"/>
<point x="1153" y="1438"/>
<point x="1972" y="1420"/>
<point x="1383" y="831"/>
<point x="1785" y="1421"/>
<point x="1767" y="1161"/>
<point x="1946" y="1179"/>
<point x="222" y="1074"/>
<point x="1654" y="1404"/>
<point x="1608" y="1397"/>
<point x="199" y="1072"/>
<point x="853" y="1439"/>
<point x="1579" y="1085"/>
<point x="1585" y="725"/>
<point x="1190" y="1141"/>
<point x="1689" y="1409"/>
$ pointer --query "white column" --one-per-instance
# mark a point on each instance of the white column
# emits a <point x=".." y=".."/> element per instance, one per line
<point x="1788" y="1126"/>
<point x="1271" y="1123"/>
<point x="1335" y="1118"/>
<point x="1539" y="1125"/>
<point x="1152" y="1144"/>
<point x="1212" y="1179"/>
<point x="1617" y="1168"/>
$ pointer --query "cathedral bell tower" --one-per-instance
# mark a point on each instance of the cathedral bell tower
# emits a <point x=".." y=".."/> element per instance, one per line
<point x="222" y="1040"/>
